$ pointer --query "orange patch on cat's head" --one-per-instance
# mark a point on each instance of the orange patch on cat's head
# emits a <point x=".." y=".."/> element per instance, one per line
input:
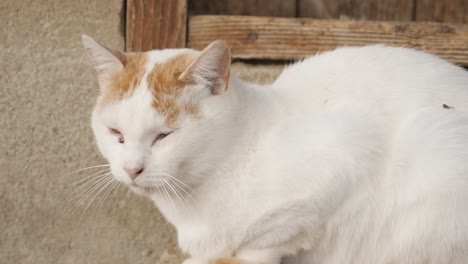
<point x="163" y="82"/>
<point x="167" y="87"/>
<point x="124" y="83"/>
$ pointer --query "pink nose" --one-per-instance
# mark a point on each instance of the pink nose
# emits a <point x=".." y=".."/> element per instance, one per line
<point x="133" y="172"/>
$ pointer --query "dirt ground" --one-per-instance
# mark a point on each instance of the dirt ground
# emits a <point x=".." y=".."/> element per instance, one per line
<point x="47" y="90"/>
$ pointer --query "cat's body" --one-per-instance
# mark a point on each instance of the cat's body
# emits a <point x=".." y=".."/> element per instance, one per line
<point x="354" y="156"/>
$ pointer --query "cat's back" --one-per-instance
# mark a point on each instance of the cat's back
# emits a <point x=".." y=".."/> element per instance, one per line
<point x="374" y="93"/>
<point x="388" y="77"/>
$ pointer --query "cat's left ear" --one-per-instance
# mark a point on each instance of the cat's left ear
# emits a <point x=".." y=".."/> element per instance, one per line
<point x="106" y="61"/>
<point x="211" y="68"/>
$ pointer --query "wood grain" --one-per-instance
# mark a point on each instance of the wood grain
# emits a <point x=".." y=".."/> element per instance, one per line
<point x="278" y="8"/>
<point x="155" y="24"/>
<point x="293" y="38"/>
<point x="449" y="11"/>
<point x="398" y="10"/>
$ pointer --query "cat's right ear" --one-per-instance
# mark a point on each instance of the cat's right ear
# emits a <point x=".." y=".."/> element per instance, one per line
<point x="211" y="68"/>
<point x="106" y="61"/>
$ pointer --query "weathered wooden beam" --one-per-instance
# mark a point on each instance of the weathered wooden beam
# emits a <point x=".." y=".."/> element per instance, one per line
<point x="395" y="10"/>
<point x="447" y="11"/>
<point x="278" y="8"/>
<point x="292" y="38"/>
<point x="156" y="24"/>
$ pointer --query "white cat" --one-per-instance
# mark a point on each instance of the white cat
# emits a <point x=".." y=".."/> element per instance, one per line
<point x="358" y="155"/>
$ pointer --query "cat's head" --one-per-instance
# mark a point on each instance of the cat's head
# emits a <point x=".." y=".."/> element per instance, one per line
<point x="155" y="114"/>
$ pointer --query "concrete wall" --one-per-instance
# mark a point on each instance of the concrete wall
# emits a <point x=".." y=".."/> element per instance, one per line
<point x="47" y="90"/>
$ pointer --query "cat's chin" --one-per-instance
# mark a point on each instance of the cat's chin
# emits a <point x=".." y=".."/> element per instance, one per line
<point x="142" y="190"/>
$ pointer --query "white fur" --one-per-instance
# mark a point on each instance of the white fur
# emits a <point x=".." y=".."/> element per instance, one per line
<point x="349" y="157"/>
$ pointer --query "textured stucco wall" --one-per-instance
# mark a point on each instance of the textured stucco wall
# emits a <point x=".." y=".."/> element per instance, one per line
<point x="47" y="89"/>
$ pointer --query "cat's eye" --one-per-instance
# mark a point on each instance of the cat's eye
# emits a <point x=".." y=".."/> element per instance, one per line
<point x="161" y="136"/>
<point x="117" y="133"/>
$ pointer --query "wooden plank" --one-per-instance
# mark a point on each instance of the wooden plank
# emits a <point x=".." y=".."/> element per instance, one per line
<point x="292" y="38"/>
<point x="449" y="11"/>
<point x="155" y="24"/>
<point x="398" y="10"/>
<point x="278" y="8"/>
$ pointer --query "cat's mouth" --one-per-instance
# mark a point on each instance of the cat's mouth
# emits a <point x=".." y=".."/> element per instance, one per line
<point x="163" y="183"/>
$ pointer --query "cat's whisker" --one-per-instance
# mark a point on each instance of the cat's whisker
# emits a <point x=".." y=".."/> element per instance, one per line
<point x="85" y="186"/>
<point x="181" y="182"/>
<point x="181" y="185"/>
<point x="87" y="168"/>
<point x="103" y="198"/>
<point x="160" y="191"/>
<point x="168" y="196"/>
<point x="183" y="190"/>
<point x="93" y="176"/>
<point x="85" y="179"/>
<point x="116" y="190"/>
<point x="83" y="197"/>
<point x="176" y="193"/>
<point x="72" y="197"/>
<point x="96" y="194"/>
<point x="178" y="188"/>
<point x="111" y="190"/>
<point x="85" y="194"/>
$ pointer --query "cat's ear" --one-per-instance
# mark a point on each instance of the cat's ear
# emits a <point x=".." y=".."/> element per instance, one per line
<point x="106" y="61"/>
<point x="211" y="68"/>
